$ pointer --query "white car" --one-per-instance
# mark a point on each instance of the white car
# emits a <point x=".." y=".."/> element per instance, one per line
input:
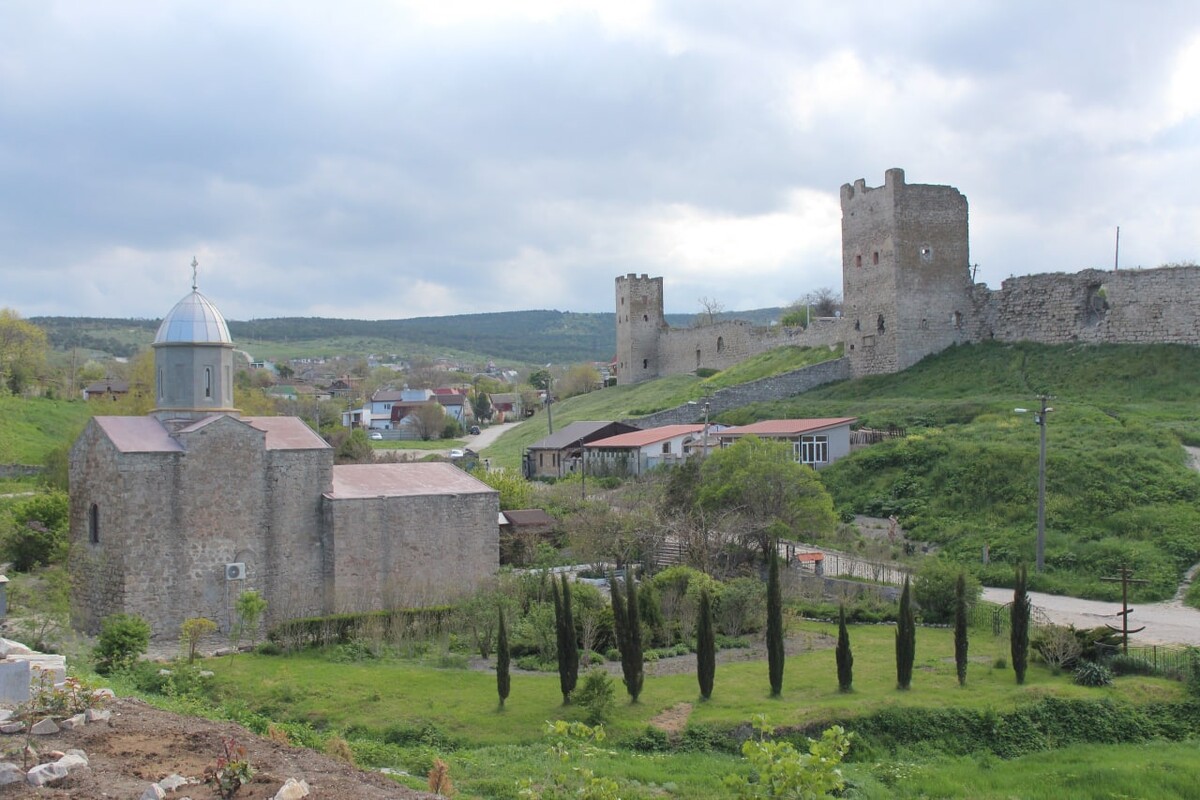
<point x="457" y="453"/>
<point x="377" y="436"/>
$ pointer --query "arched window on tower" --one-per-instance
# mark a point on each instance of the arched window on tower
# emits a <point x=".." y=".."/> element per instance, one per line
<point x="208" y="381"/>
<point x="720" y="344"/>
<point x="94" y="524"/>
<point x="160" y="383"/>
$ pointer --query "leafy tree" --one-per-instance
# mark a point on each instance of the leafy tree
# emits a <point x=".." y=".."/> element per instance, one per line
<point x="123" y="637"/>
<point x="353" y="447"/>
<point x="1019" y="629"/>
<point x="568" y="645"/>
<point x="845" y="659"/>
<point x="934" y="589"/>
<point x="250" y="606"/>
<point x="761" y="481"/>
<point x="23" y="349"/>
<point x="580" y="379"/>
<point x="515" y="491"/>
<point x="503" y="679"/>
<point x="906" y="639"/>
<point x="775" y="654"/>
<point x="706" y="647"/>
<point x="37" y="534"/>
<point x="285" y="371"/>
<point x="540" y="379"/>
<point x="192" y="631"/>
<point x="482" y="406"/>
<point x="960" y="628"/>
<point x="782" y="771"/>
<point x="427" y="420"/>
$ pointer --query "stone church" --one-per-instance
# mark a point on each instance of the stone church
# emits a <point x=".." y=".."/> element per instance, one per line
<point x="175" y="514"/>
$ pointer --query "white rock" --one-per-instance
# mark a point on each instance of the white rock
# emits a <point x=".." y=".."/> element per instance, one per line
<point x="97" y="715"/>
<point x="9" y="646"/>
<point x="72" y="761"/>
<point x="71" y="723"/>
<point x="11" y="773"/>
<point x="12" y="727"/>
<point x="164" y="672"/>
<point x="206" y="673"/>
<point x="44" y="727"/>
<point x="103" y="694"/>
<point x="153" y="792"/>
<point x="173" y="782"/>
<point x="45" y="774"/>
<point x="292" y="790"/>
<point x="5" y="714"/>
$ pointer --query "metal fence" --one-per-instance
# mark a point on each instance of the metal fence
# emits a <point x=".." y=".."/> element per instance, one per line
<point x="998" y="618"/>
<point x="1168" y="660"/>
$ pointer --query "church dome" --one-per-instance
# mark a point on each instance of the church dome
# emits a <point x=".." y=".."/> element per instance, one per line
<point x="194" y="319"/>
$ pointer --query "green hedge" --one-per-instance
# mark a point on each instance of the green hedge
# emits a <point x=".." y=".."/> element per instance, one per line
<point x="1047" y="724"/>
<point x="343" y="628"/>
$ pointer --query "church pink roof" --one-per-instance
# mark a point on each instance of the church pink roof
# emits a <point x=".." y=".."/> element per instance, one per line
<point x="361" y="481"/>
<point x="287" y="433"/>
<point x="138" y="435"/>
<point x="648" y="436"/>
<point x="147" y="434"/>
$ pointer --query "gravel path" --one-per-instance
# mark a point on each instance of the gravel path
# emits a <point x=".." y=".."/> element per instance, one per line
<point x="1169" y="622"/>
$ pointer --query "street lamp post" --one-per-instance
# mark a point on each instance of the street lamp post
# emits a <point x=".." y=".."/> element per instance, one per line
<point x="1040" y="418"/>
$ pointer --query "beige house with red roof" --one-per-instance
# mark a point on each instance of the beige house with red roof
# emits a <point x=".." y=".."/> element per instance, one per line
<point x="641" y="451"/>
<point x="173" y="515"/>
<point x="816" y="442"/>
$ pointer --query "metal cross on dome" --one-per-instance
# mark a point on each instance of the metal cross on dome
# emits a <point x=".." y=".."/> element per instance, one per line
<point x="195" y="264"/>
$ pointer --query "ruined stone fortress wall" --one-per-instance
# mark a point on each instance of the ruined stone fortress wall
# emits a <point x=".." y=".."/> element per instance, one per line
<point x="907" y="294"/>
<point x="1094" y="306"/>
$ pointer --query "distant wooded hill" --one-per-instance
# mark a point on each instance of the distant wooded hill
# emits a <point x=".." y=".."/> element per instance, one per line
<point x="521" y="336"/>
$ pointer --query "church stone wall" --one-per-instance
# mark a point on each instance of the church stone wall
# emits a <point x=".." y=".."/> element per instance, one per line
<point x="402" y="551"/>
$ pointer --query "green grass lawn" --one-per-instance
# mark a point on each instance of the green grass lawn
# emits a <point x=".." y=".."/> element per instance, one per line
<point x="490" y="749"/>
<point x="418" y="444"/>
<point x="31" y="428"/>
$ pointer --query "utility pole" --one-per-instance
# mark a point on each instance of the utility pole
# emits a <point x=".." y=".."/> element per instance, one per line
<point x="1125" y="578"/>
<point x="1117" y="251"/>
<point x="1040" y="419"/>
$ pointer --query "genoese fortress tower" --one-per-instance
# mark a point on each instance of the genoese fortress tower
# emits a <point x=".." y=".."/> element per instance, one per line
<point x="907" y="293"/>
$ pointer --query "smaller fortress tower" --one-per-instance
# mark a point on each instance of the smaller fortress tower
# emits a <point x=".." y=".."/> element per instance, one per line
<point x="640" y="321"/>
<point x="906" y="282"/>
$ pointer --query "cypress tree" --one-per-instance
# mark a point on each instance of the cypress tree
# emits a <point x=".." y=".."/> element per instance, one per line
<point x="634" y="674"/>
<point x="568" y="650"/>
<point x="706" y="647"/>
<point x="774" y="627"/>
<point x="503" y="680"/>
<point x="618" y="609"/>
<point x="960" y="628"/>
<point x="572" y="641"/>
<point x="906" y="639"/>
<point x="845" y="659"/>
<point x="1019" y="629"/>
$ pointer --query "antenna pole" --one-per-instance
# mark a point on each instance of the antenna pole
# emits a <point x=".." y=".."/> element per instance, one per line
<point x="1117" y="251"/>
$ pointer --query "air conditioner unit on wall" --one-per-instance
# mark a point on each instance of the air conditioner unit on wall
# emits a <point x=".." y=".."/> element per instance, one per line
<point x="235" y="572"/>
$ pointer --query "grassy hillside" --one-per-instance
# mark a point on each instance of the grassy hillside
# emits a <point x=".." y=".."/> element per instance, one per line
<point x="31" y="428"/>
<point x="1118" y="487"/>
<point x="620" y="402"/>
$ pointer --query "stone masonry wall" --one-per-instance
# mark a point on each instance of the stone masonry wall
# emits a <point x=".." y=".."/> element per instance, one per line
<point x="1094" y="306"/>
<point x="398" y="551"/>
<point x="772" y="388"/>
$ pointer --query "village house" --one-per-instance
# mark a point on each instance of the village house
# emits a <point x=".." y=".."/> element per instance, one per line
<point x="815" y="442"/>
<point x="561" y="453"/>
<point x="637" y="452"/>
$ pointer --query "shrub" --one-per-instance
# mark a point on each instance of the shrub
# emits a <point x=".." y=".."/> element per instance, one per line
<point x="123" y="638"/>
<point x="651" y="740"/>
<point x="269" y="649"/>
<point x="597" y="696"/>
<point x="192" y="631"/>
<point x="1057" y="646"/>
<point x="1089" y="673"/>
<point x="741" y="606"/>
<point x="1122" y="664"/>
<point x="934" y="589"/>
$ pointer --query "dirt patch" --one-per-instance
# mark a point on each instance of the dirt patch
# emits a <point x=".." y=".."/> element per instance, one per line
<point x="674" y="719"/>
<point x="142" y="744"/>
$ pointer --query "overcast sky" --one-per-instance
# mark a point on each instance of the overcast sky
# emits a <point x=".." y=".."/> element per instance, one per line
<point x="383" y="160"/>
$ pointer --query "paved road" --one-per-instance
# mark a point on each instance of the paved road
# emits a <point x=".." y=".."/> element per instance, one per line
<point x="1169" y="622"/>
